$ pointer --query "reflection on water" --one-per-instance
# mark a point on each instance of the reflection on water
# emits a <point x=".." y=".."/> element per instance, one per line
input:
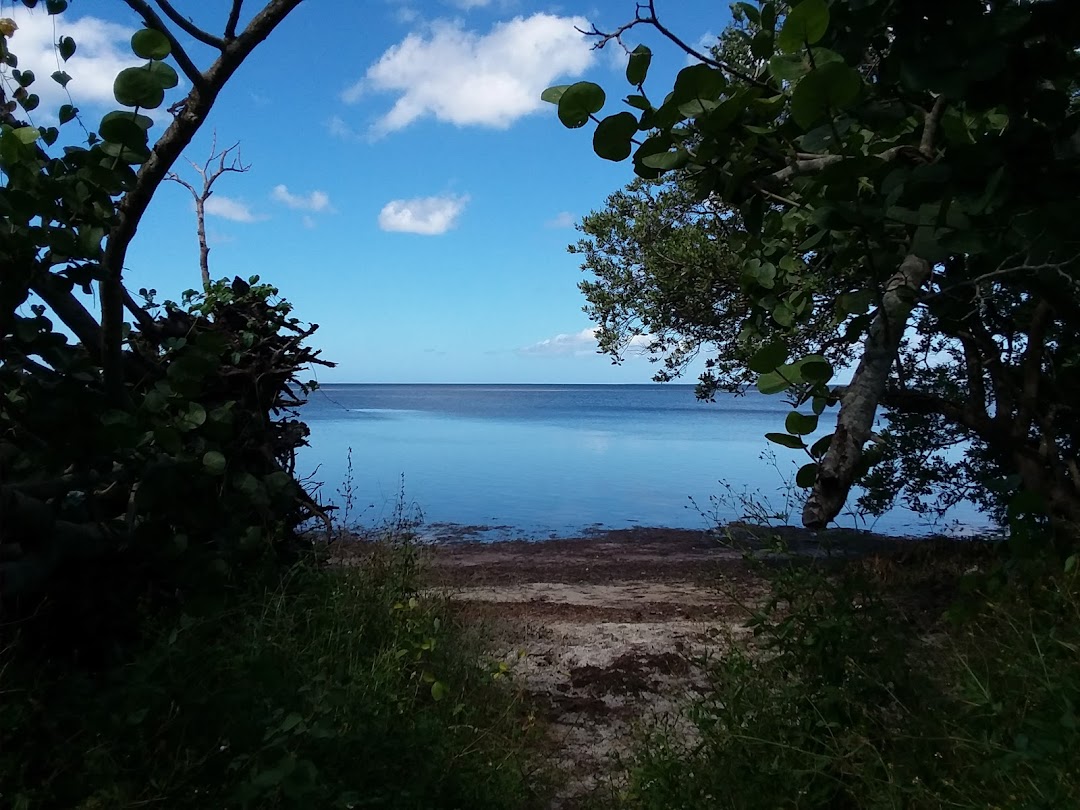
<point x="553" y="458"/>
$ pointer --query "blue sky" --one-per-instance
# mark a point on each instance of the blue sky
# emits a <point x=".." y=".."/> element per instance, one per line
<point x="407" y="192"/>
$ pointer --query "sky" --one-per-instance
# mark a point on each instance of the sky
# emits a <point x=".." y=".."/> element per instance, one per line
<point x="408" y="191"/>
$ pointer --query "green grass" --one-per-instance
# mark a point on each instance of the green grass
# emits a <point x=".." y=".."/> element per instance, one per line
<point x="328" y="688"/>
<point x="841" y="702"/>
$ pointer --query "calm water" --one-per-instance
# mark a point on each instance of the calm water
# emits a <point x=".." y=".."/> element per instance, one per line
<point x="547" y="459"/>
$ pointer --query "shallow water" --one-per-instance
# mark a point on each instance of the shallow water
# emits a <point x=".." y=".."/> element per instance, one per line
<point x="556" y="459"/>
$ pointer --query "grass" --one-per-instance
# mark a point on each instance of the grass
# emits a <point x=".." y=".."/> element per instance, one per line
<point x="328" y="687"/>
<point x="842" y="701"/>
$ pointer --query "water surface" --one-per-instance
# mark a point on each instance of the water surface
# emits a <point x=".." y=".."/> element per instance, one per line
<point x="554" y="459"/>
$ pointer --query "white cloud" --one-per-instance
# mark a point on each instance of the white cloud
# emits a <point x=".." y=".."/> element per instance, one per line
<point x="580" y="344"/>
<point x="308" y="221"/>
<point x="563" y="219"/>
<point x="339" y="129"/>
<point x="468" y="79"/>
<point x="218" y="205"/>
<point x="102" y="51"/>
<point x="315" y="201"/>
<point x="429" y="216"/>
<point x="466" y="5"/>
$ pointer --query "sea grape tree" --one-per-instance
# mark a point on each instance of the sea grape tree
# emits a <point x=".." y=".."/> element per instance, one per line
<point x="885" y="183"/>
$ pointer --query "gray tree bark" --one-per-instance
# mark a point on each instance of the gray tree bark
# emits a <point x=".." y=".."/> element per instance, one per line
<point x="859" y="402"/>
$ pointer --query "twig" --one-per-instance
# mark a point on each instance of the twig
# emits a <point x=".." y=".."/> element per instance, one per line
<point x="646" y="15"/>
<point x="189" y="27"/>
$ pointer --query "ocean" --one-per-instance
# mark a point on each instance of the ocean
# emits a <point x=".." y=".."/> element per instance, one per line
<point x="555" y="460"/>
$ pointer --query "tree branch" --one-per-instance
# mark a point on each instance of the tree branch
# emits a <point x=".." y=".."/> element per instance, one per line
<point x="152" y="20"/>
<point x="646" y="15"/>
<point x="189" y="118"/>
<point x="933" y="118"/>
<point x="234" y="18"/>
<point x="189" y="27"/>
<point x="70" y="310"/>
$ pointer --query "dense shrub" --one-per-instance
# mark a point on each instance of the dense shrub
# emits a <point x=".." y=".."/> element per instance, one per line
<point x="334" y="687"/>
<point x="841" y="703"/>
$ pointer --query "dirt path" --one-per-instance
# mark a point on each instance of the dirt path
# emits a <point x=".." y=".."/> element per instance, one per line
<point x="609" y="628"/>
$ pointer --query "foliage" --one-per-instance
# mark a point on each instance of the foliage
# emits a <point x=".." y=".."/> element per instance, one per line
<point x="841" y="703"/>
<point x="333" y="687"/>
<point x="893" y="182"/>
<point x="106" y="443"/>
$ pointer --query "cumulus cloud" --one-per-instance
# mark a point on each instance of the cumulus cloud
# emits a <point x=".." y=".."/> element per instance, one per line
<point x="315" y="201"/>
<point x="471" y="79"/>
<point x="580" y="344"/>
<point x="429" y="216"/>
<point x="102" y="52"/>
<point x="218" y="205"/>
<point x="563" y="219"/>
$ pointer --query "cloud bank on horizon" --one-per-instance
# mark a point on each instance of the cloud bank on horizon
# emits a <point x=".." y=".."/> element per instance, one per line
<point x="581" y="343"/>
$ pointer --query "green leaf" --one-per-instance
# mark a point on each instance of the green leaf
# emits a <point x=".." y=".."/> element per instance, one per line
<point x="121" y="128"/>
<point x="66" y="46"/>
<point x="700" y="82"/>
<point x="805" y="25"/>
<point x="800" y="424"/>
<point x="815" y="369"/>
<point x="552" y="94"/>
<point x="150" y="44"/>
<point x="137" y="87"/>
<point x="769" y="357"/>
<point x="788" y="68"/>
<point x="56" y="6"/>
<point x="667" y="161"/>
<point x="194" y="417"/>
<point x="611" y="140"/>
<point x="794" y="442"/>
<point x="823" y="91"/>
<point x="638" y="102"/>
<point x="783" y="314"/>
<point x="61" y="78"/>
<point x="637" y="67"/>
<point x="773" y="383"/>
<point x="821" y="446"/>
<point x="164" y="74"/>
<point x="27" y="135"/>
<point x="214" y="462"/>
<point x="807" y="475"/>
<point x="578" y="102"/>
<point x="67" y="113"/>
<point x="438" y="690"/>
<point x="127" y="154"/>
<point x="144" y="122"/>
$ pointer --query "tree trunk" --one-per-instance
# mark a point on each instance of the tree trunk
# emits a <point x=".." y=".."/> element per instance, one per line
<point x="204" y="248"/>
<point x="859" y="402"/>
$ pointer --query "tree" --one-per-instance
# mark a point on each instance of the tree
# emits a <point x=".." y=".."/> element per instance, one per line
<point x="904" y="178"/>
<point x="106" y="442"/>
<point x="209" y="174"/>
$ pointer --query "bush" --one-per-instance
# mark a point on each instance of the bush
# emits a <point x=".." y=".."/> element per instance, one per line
<point x="841" y="703"/>
<point x="335" y="687"/>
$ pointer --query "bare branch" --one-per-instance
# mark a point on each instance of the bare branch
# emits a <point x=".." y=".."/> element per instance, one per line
<point x="234" y="18"/>
<point x="646" y="15"/>
<point x="189" y="27"/>
<point x="152" y="20"/>
<point x="209" y="176"/>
